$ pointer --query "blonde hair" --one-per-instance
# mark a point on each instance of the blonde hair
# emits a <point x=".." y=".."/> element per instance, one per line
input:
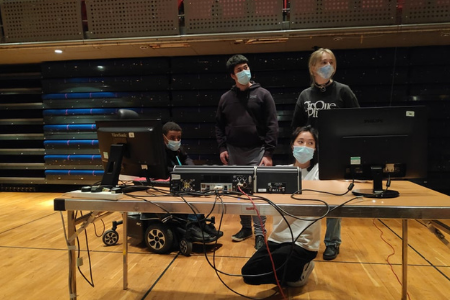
<point x="316" y="57"/>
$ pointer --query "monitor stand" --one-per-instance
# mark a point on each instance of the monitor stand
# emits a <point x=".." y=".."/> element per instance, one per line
<point x="377" y="191"/>
<point x="112" y="171"/>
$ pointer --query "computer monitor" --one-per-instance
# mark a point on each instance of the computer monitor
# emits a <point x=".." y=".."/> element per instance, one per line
<point x="131" y="147"/>
<point x="373" y="143"/>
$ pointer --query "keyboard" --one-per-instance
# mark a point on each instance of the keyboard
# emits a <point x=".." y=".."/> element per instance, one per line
<point x="99" y="195"/>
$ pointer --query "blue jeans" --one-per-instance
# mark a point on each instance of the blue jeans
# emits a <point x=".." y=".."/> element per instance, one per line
<point x="333" y="233"/>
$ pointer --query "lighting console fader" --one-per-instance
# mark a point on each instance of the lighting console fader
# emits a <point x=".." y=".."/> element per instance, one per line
<point x="249" y="179"/>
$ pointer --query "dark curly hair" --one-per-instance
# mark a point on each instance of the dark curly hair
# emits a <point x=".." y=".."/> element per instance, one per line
<point x="170" y="126"/>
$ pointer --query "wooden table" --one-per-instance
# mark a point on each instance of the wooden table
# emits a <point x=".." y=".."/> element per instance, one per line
<point x="414" y="202"/>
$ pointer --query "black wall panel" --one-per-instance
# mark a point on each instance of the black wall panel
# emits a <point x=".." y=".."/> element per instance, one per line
<point x="21" y="132"/>
<point x="196" y="97"/>
<point x="279" y="61"/>
<point x="200" y="81"/>
<point x="128" y="99"/>
<point x="76" y="94"/>
<point x="187" y="90"/>
<point x="281" y="79"/>
<point x="384" y="57"/>
<point x="194" y="114"/>
<point x="108" y="68"/>
<point x="380" y="94"/>
<point x="198" y="64"/>
<point x="106" y="84"/>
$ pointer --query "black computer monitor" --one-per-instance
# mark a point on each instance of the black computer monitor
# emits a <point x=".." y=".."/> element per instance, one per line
<point x="131" y="147"/>
<point x="373" y="143"/>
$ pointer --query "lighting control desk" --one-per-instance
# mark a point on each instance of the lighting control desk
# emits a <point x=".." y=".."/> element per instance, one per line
<point x="414" y="202"/>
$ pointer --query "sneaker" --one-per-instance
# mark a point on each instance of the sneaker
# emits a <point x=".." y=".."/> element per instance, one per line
<point x="195" y="234"/>
<point x="331" y="252"/>
<point x="212" y="231"/>
<point x="307" y="269"/>
<point x="243" y="234"/>
<point x="259" y="241"/>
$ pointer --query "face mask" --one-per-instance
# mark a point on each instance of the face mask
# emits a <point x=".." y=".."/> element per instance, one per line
<point x="173" y="145"/>
<point x="326" y="71"/>
<point x="303" y="154"/>
<point x="243" y="77"/>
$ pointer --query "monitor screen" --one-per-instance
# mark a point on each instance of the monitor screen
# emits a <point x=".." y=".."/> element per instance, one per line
<point x="373" y="143"/>
<point x="131" y="147"/>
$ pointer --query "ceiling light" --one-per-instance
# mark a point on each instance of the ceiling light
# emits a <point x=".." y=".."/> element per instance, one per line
<point x="170" y="45"/>
<point x="265" y="41"/>
<point x="59" y="51"/>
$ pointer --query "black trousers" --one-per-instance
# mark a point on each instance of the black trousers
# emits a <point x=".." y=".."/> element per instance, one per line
<point x="289" y="262"/>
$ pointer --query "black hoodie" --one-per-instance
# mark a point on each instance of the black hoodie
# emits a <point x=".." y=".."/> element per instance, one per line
<point x="174" y="158"/>
<point x="247" y="119"/>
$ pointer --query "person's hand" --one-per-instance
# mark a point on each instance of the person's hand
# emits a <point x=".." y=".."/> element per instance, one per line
<point x="224" y="157"/>
<point x="266" y="161"/>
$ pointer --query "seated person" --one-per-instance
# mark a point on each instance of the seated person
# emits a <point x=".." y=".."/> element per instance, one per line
<point x="175" y="155"/>
<point x="293" y="265"/>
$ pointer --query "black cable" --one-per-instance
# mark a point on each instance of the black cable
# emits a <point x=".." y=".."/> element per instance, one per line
<point x="312" y="221"/>
<point x="349" y="188"/>
<point x="198" y="220"/>
<point x="348" y="201"/>
<point x="159" y="190"/>
<point x="218" y="230"/>
<point x="141" y="197"/>
<point x="95" y="228"/>
<point x="292" y="236"/>
<point x="388" y="182"/>
<point x="69" y="252"/>
<point x="282" y="213"/>
<point x="91" y="283"/>
<point x="218" y="272"/>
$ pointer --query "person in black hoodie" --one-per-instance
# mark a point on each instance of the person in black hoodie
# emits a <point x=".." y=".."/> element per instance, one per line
<point x="324" y="93"/>
<point x="246" y="132"/>
<point x="175" y="155"/>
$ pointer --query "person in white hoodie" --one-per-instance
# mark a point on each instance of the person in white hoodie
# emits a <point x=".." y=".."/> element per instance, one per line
<point x="294" y="263"/>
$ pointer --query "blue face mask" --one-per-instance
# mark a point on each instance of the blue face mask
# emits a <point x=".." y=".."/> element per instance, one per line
<point x="303" y="154"/>
<point x="243" y="77"/>
<point x="326" y="71"/>
<point x="173" y="145"/>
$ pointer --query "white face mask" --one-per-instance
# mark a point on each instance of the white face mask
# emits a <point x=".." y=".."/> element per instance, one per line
<point x="243" y="77"/>
<point x="326" y="71"/>
<point x="173" y="145"/>
<point x="303" y="154"/>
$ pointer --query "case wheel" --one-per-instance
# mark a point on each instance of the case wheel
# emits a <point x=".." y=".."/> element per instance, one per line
<point x="110" y="237"/>
<point x="158" y="238"/>
<point x="185" y="247"/>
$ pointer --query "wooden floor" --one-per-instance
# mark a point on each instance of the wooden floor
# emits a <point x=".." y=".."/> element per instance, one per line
<point x="34" y="262"/>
